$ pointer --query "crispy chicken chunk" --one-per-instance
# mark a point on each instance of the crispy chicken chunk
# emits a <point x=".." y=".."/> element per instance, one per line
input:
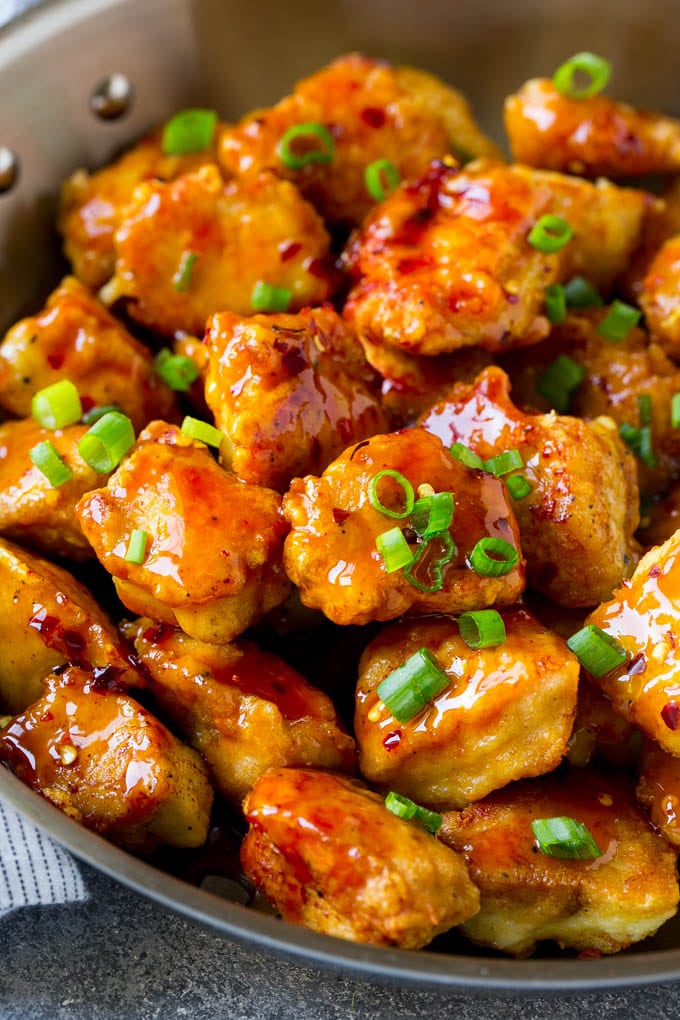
<point x="212" y="561"/>
<point x="578" y="521"/>
<point x="74" y="337"/>
<point x="604" y="904"/>
<point x="660" y="296"/>
<point x="445" y="261"/>
<point x="245" y="710"/>
<point x="32" y="510"/>
<point x="195" y="246"/>
<point x="331" y="551"/>
<point x="600" y="732"/>
<point x="658" y="790"/>
<point x="289" y="391"/>
<point x="108" y="763"/>
<point x="506" y="714"/>
<point x="330" y="856"/>
<point x="373" y="112"/>
<point x="593" y="137"/>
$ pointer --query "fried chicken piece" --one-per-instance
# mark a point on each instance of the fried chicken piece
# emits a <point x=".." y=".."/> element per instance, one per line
<point x="594" y="137"/>
<point x="32" y="510"/>
<point x="445" y="261"/>
<point x="212" y="561"/>
<point x="661" y="222"/>
<point x="196" y="245"/>
<point x="658" y="790"/>
<point x="92" y="205"/>
<point x="105" y="761"/>
<point x="74" y="337"/>
<point x="506" y="713"/>
<point x="329" y="856"/>
<point x="578" y="521"/>
<point x="245" y="710"/>
<point x="331" y="551"/>
<point x="289" y="391"/>
<point x="373" y="112"/>
<point x="600" y="732"/>
<point x="603" y="904"/>
<point x="660" y="296"/>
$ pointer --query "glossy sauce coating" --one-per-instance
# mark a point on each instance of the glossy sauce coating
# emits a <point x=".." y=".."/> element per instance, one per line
<point x="659" y="296"/>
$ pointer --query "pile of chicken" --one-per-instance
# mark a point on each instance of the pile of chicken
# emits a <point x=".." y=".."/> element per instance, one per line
<point x="401" y="325"/>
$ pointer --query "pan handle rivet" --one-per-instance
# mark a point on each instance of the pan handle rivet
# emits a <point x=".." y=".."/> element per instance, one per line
<point x="9" y="169"/>
<point x="111" y="97"/>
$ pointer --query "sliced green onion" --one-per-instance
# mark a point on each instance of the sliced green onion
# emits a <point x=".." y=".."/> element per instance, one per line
<point x="403" y="483"/>
<point x="189" y="131"/>
<point x="267" y="298"/>
<point x="408" y="689"/>
<point x="675" y="411"/>
<point x="559" y="380"/>
<point x="483" y="628"/>
<point x="201" y="430"/>
<point x="466" y="456"/>
<point x="436" y="566"/>
<point x="382" y="170"/>
<point x="432" y="514"/>
<point x="97" y="412"/>
<point x="394" y="549"/>
<point x="493" y="557"/>
<point x="504" y="463"/>
<point x="565" y="838"/>
<point x="644" y="402"/>
<point x="136" y="549"/>
<point x="630" y="435"/>
<point x="581" y="294"/>
<point x="596" y="70"/>
<point x="518" y="486"/>
<point x="402" y="807"/>
<point x="550" y="233"/>
<point x="181" y="281"/>
<point x="107" y="441"/>
<point x="555" y="303"/>
<point x="176" y="370"/>
<point x="619" y="321"/>
<point x="56" y="406"/>
<point x="47" y="459"/>
<point x="639" y="440"/>
<point x="312" y="131"/>
<point x="596" y="651"/>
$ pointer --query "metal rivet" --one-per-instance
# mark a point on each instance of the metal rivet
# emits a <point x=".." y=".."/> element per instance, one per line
<point x="111" y="97"/>
<point x="9" y="169"/>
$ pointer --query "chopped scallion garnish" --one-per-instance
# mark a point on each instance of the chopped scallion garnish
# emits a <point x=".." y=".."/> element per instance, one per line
<point x="381" y="178"/>
<point x="518" y="486"/>
<point x="189" y="131"/>
<point x="394" y="549"/>
<point x="47" y="459"/>
<point x="482" y="628"/>
<point x="595" y="70"/>
<point x="98" y="411"/>
<point x="675" y="411"/>
<point x="176" y="370"/>
<point x="550" y="233"/>
<point x="644" y="402"/>
<point x="56" y="406"/>
<point x="581" y="294"/>
<point x="493" y="557"/>
<point x="435" y="564"/>
<point x="267" y="298"/>
<point x="619" y="321"/>
<point x="432" y="514"/>
<point x="314" y="132"/>
<point x="181" y="281"/>
<point x="407" y="495"/>
<point x="408" y="689"/>
<point x="403" y="807"/>
<point x="598" y="653"/>
<point x="639" y="440"/>
<point x="107" y="441"/>
<point x="201" y="430"/>
<point x="565" y="838"/>
<point x="466" y="456"/>
<point x="555" y="303"/>
<point x="559" y="380"/>
<point x="504" y="463"/>
<point x="136" y="549"/>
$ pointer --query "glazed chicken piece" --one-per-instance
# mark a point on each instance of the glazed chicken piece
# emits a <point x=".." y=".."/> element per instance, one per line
<point x="593" y="137"/>
<point x="331" y="551"/>
<point x="662" y="221"/>
<point x="290" y="392"/>
<point x="32" y="510"/>
<point x="577" y="523"/>
<point x="105" y="761"/>
<point x="661" y="519"/>
<point x="659" y="296"/>
<point x="327" y="853"/>
<point x="196" y="245"/>
<point x="74" y="337"/>
<point x="47" y="618"/>
<point x="601" y="733"/>
<point x="617" y="375"/>
<point x="445" y="261"/>
<point x="604" y="903"/>
<point x="373" y="112"/>
<point x="212" y="562"/>
<point x="92" y="205"/>
<point x="644" y="618"/>
<point x="245" y="710"/>
<point x="658" y="790"/>
<point x="506" y="713"/>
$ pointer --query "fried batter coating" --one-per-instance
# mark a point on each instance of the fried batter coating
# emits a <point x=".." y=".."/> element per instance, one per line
<point x="578" y="521"/>
<point x="105" y="761"/>
<point x="47" y="618"/>
<point x="644" y="617"/>
<point x="331" y="551"/>
<point x="329" y="856"/>
<point x="245" y="710"/>
<point x="593" y="137"/>
<point x="92" y="205"/>
<point x="600" y="732"/>
<point x="32" y="510"/>
<point x="373" y="112"/>
<point x="660" y="296"/>
<point x="74" y="337"/>
<point x="445" y="261"/>
<point x="289" y="391"/>
<point x="506" y="714"/>
<point x="240" y="233"/>
<point x="658" y="790"/>
<point x="213" y="554"/>
<point x="604" y="904"/>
